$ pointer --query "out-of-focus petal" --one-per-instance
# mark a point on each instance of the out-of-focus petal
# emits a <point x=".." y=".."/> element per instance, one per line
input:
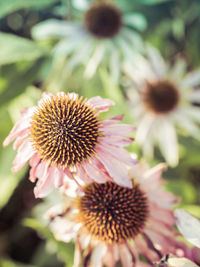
<point x="102" y="104"/>
<point x="189" y="226"/>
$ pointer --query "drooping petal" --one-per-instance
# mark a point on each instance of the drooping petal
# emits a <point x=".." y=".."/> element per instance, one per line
<point x="45" y="183"/>
<point x="102" y="104"/>
<point x="98" y="254"/>
<point x="118" y="153"/>
<point x="116" y="169"/>
<point x="19" y="127"/>
<point x="94" y="172"/>
<point x="25" y="152"/>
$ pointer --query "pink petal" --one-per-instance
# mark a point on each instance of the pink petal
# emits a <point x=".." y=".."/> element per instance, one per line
<point x="163" y="214"/>
<point x="116" y="169"/>
<point x="156" y="172"/>
<point x="20" y="138"/>
<point x="102" y="104"/>
<point x="118" y="153"/>
<point x="24" y="153"/>
<point x="112" y="120"/>
<point x="83" y="175"/>
<point x="117" y="140"/>
<point x="34" y="162"/>
<point x="59" y="175"/>
<point x="45" y="183"/>
<point x="118" y="129"/>
<point x="93" y="172"/>
<point x="125" y="256"/>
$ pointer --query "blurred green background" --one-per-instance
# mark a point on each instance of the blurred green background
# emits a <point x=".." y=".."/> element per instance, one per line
<point x="27" y="68"/>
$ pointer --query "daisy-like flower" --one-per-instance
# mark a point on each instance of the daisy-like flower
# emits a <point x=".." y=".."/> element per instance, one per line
<point x="64" y="136"/>
<point x="104" y="35"/>
<point x="163" y="101"/>
<point x="111" y="224"/>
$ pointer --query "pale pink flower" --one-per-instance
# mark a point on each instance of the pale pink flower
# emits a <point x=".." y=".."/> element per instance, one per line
<point x="112" y="224"/>
<point x="63" y="136"/>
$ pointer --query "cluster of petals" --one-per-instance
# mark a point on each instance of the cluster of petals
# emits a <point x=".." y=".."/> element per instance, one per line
<point x="108" y="163"/>
<point x="160" y="128"/>
<point x="157" y="238"/>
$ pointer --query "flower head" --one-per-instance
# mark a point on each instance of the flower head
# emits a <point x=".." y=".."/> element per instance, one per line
<point x="64" y="136"/>
<point x="112" y="224"/>
<point x="105" y="35"/>
<point x="163" y="102"/>
<point x="103" y="20"/>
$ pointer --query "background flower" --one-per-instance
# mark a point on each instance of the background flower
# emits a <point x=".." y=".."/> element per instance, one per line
<point x="163" y="101"/>
<point x="105" y="35"/>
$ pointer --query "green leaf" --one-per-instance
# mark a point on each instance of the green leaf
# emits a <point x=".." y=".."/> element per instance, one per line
<point x="14" y="49"/>
<point x="19" y="80"/>
<point x="65" y="250"/>
<point x="9" y="6"/>
<point x="9" y="263"/>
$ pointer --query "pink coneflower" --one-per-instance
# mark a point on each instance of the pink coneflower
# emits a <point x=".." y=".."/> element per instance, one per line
<point x="112" y="224"/>
<point x="64" y="136"/>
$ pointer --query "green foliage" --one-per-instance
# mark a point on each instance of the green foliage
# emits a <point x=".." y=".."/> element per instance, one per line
<point x="15" y="49"/>
<point x="64" y="250"/>
<point x="9" y="6"/>
<point x="18" y="80"/>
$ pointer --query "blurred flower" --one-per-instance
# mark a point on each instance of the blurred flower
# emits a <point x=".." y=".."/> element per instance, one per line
<point x="112" y="224"/>
<point x="104" y="35"/>
<point x="189" y="226"/>
<point x="63" y="136"/>
<point x="163" y="101"/>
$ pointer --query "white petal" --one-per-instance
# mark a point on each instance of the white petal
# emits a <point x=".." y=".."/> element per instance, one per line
<point x="192" y="79"/>
<point x="194" y="96"/>
<point x="167" y="140"/>
<point x="157" y="61"/>
<point x="98" y="254"/>
<point x="187" y="124"/>
<point x="80" y="54"/>
<point x="114" y="63"/>
<point x="178" y="70"/>
<point x="95" y="60"/>
<point x="189" y="226"/>
<point x="53" y="28"/>
<point x="193" y="112"/>
<point x="180" y="262"/>
<point x="144" y="128"/>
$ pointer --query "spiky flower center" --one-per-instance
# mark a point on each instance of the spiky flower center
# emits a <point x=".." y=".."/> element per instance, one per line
<point x="112" y="213"/>
<point x="64" y="130"/>
<point x="161" y="96"/>
<point x="103" y="20"/>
